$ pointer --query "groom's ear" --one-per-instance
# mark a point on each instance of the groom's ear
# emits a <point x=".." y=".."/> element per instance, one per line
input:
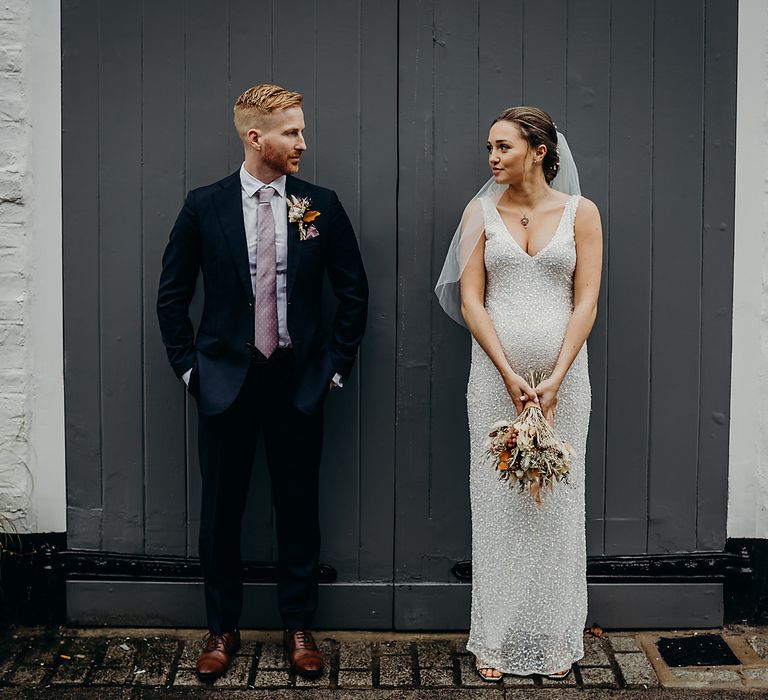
<point x="254" y="139"/>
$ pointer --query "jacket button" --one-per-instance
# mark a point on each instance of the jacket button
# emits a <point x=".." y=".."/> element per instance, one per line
<point x="249" y="346"/>
<point x="250" y="304"/>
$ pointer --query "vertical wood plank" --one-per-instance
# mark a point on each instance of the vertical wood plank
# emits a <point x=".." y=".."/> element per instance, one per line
<point x="446" y="515"/>
<point x="121" y="278"/>
<point x="337" y="153"/>
<point x="545" y="42"/>
<point x="162" y="192"/>
<point x="250" y="57"/>
<point x="294" y="59"/>
<point x="193" y="483"/>
<point x="433" y="525"/>
<point x="378" y="244"/>
<point x="717" y="277"/>
<point x="628" y="278"/>
<point x="208" y="126"/>
<point x="209" y="114"/>
<point x="500" y="73"/>
<point x="82" y="358"/>
<point x="588" y="108"/>
<point x="676" y="277"/>
<point x="414" y="228"/>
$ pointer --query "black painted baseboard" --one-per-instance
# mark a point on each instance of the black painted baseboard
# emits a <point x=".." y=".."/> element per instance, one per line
<point x="81" y="565"/>
<point x="746" y="596"/>
<point x="34" y="570"/>
<point x="32" y="579"/>
<point x="688" y="567"/>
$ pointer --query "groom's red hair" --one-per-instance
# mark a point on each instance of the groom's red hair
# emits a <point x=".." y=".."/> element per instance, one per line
<point x="260" y="101"/>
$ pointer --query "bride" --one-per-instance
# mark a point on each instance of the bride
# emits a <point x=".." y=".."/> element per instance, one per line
<point x="523" y="274"/>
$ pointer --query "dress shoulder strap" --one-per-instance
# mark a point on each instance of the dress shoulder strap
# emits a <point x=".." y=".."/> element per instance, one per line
<point x="486" y="206"/>
<point x="571" y="206"/>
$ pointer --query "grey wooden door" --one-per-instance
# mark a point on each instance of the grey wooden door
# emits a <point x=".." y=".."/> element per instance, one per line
<point x="148" y="90"/>
<point x="398" y="99"/>
<point x="645" y="92"/>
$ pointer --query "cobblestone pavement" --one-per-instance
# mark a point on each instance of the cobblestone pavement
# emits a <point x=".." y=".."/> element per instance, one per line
<point x="65" y="663"/>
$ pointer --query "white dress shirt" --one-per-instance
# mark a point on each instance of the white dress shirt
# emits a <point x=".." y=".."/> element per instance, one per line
<point x="249" y="186"/>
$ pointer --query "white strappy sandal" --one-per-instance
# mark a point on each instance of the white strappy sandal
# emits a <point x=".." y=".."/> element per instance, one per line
<point x="559" y="676"/>
<point x="485" y="672"/>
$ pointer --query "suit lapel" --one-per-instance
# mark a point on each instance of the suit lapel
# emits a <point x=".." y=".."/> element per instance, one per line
<point x="229" y="208"/>
<point x="293" y="188"/>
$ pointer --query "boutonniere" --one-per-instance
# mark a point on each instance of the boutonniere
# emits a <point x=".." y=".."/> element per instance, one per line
<point x="300" y="213"/>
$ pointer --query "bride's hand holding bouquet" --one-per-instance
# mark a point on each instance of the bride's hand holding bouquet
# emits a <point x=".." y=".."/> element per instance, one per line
<point x="519" y="390"/>
<point x="546" y="391"/>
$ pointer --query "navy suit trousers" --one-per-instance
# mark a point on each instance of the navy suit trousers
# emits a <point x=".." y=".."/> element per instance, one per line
<point x="293" y="442"/>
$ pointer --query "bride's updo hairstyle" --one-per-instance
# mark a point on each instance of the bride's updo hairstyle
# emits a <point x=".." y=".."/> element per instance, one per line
<point x="537" y="128"/>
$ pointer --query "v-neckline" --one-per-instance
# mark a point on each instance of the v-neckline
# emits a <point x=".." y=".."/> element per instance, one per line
<point x="549" y="242"/>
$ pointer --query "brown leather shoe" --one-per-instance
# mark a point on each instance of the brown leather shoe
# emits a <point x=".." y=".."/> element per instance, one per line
<point x="216" y="656"/>
<point x="304" y="656"/>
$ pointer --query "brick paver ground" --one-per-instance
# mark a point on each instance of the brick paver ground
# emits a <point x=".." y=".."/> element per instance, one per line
<point x="67" y="663"/>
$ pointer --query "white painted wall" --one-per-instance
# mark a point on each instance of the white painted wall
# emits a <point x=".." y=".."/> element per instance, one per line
<point x="748" y="464"/>
<point x="15" y="480"/>
<point x="32" y="473"/>
<point x="44" y="264"/>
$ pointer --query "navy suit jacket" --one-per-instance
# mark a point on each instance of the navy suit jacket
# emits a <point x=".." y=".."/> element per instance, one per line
<point x="209" y="235"/>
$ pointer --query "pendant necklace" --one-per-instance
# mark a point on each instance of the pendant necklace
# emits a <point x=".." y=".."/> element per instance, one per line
<point x="524" y="220"/>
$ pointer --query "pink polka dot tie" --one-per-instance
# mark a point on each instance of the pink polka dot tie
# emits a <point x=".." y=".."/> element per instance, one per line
<point x="265" y="301"/>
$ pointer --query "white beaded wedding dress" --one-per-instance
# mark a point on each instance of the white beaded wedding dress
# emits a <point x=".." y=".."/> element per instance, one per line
<point x="529" y="592"/>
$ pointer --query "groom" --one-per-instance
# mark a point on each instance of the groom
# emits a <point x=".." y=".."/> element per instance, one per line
<point x="261" y="361"/>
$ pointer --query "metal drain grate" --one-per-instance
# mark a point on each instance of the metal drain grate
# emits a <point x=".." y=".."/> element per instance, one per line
<point x="701" y="650"/>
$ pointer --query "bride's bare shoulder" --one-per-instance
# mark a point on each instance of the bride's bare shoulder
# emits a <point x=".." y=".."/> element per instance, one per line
<point x="558" y="199"/>
<point x="587" y="220"/>
<point x="587" y="208"/>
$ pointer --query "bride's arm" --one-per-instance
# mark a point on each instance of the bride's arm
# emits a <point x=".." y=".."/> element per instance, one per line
<point x="480" y="325"/>
<point x="588" y="234"/>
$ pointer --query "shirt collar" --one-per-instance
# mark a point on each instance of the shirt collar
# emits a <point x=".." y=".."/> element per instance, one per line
<point x="252" y="185"/>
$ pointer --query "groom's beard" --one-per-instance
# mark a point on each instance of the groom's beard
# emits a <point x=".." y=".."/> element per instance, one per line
<point x="284" y="163"/>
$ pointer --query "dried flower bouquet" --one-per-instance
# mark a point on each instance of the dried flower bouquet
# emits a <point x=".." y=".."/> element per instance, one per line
<point x="527" y="453"/>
